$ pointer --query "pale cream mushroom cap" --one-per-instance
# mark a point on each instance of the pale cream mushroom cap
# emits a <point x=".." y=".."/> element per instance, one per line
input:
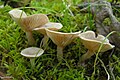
<point x="50" y="25"/>
<point x="62" y="39"/>
<point x="92" y="43"/>
<point x="33" y="21"/>
<point x="16" y="13"/>
<point x="32" y="52"/>
<point x="28" y="22"/>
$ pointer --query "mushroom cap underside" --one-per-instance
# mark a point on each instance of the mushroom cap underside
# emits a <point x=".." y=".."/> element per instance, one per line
<point x="34" y="21"/>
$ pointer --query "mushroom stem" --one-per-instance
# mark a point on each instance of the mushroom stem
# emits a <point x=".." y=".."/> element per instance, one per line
<point x="32" y="62"/>
<point x="87" y="55"/>
<point x="44" y="41"/>
<point x="59" y="53"/>
<point x="31" y="40"/>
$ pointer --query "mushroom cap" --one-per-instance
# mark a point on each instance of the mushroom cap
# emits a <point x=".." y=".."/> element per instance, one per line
<point x="49" y="25"/>
<point x="32" y="52"/>
<point x="16" y="13"/>
<point x="92" y="43"/>
<point x="35" y="20"/>
<point x="61" y="39"/>
<point x="28" y="23"/>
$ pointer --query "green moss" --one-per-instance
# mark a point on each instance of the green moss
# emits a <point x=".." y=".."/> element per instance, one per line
<point x="13" y="40"/>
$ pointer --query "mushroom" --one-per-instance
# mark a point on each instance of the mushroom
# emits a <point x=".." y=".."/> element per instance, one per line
<point x="92" y="43"/>
<point x="49" y="25"/>
<point x="28" y="23"/>
<point x="31" y="53"/>
<point x="61" y="40"/>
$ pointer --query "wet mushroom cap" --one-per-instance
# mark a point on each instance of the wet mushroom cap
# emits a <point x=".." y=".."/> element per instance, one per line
<point x="32" y="52"/>
<point x="93" y="43"/>
<point x="61" y="39"/>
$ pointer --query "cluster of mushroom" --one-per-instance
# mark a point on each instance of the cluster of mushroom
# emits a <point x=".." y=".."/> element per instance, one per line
<point x="41" y="24"/>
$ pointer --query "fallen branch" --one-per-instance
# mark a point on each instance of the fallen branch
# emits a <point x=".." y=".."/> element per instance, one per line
<point x="101" y="10"/>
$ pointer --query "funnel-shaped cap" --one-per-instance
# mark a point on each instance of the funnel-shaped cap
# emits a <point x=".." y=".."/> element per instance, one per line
<point x="28" y="22"/>
<point x="92" y="43"/>
<point x="62" y="39"/>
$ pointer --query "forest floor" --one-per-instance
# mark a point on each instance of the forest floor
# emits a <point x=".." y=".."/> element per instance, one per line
<point x="13" y="40"/>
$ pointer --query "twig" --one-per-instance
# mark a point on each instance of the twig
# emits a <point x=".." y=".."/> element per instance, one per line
<point x="104" y="68"/>
<point x="110" y="66"/>
<point x="111" y="72"/>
